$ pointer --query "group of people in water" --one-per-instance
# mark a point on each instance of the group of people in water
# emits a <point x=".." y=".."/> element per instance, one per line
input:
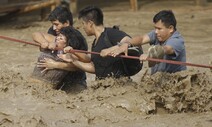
<point x="58" y="64"/>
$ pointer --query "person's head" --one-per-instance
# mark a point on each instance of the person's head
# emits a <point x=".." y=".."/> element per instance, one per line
<point x="91" y="16"/>
<point x="60" y="17"/>
<point x="67" y="37"/>
<point x="165" y="24"/>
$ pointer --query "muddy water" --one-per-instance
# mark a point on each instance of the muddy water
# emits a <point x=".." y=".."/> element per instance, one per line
<point x="180" y="99"/>
<point x="28" y="103"/>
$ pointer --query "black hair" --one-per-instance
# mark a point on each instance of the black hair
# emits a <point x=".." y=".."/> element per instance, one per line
<point x="73" y="37"/>
<point x="167" y="17"/>
<point x="62" y="14"/>
<point x="92" y="13"/>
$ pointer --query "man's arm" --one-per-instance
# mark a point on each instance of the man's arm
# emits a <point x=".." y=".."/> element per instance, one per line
<point x="71" y="58"/>
<point x="43" y="39"/>
<point x="135" y="41"/>
<point x="87" y="67"/>
<point x="74" y="61"/>
<point x="124" y="44"/>
<point x="65" y="66"/>
<point x="49" y="63"/>
<point x="79" y="56"/>
<point x="140" y="40"/>
<point x="109" y="51"/>
<point x="168" y="50"/>
<point x="82" y="57"/>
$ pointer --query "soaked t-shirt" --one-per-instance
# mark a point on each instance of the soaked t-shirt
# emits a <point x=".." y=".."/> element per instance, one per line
<point x="177" y="43"/>
<point x="108" y="66"/>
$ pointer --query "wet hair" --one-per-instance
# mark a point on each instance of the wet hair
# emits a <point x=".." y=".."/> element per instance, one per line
<point x="167" y="17"/>
<point x="62" y="14"/>
<point x="73" y="37"/>
<point x="92" y="13"/>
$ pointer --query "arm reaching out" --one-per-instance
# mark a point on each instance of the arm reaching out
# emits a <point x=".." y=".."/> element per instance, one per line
<point x="49" y="64"/>
<point x="124" y="44"/>
<point x="87" y="67"/>
<point x="80" y="56"/>
<point x="45" y="40"/>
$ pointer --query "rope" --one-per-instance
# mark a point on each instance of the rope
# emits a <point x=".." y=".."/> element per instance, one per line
<point x="17" y="40"/>
<point x="122" y="56"/>
<point x="151" y="59"/>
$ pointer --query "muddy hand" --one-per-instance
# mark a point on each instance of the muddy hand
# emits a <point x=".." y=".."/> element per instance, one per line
<point x="156" y="51"/>
<point x="52" y="46"/>
<point x="42" y="65"/>
<point x="68" y="49"/>
<point x="106" y="52"/>
<point x="47" y="64"/>
<point x="143" y="58"/>
<point x="123" y="48"/>
<point x="66" y="57"/>
<point x="44" y="45"/>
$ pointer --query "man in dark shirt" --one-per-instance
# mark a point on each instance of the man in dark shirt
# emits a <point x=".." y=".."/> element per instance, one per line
<point x="92" y="23"/>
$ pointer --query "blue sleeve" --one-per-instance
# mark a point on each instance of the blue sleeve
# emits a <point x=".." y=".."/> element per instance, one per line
<point x="177" y="44"/>
<point x="152" y="37"/>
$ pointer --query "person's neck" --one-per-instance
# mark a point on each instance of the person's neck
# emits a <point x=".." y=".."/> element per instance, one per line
<point x="98" y="31"/>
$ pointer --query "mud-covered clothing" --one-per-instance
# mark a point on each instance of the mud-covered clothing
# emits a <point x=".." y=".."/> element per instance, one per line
<point x="108" y="66"/>
<point x="176" y="41"/>
<point x="53" y="76"/>
<point x="75" y="76"/>
<point x="58" y="76"/>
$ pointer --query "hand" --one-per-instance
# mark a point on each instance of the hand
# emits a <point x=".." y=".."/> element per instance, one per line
<point x="68" y="49"/>
<point x="44" y="45"/>
<point x="123" y="48"/>
<point x="66" y="57"/>
<point x="143" y="58"/>
<point x="105" y="52"/>
<point x="157" y="52"/>
<point x="47" y="63"/>
<point x="115" y="50"/>
<point x="52" y="46"/>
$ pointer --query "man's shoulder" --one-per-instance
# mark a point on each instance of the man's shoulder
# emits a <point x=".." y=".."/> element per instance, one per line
<point x="176" y="35"/>
<point x="109" y="29"/>
<point x="115" y="32"/>
<point x="77" y="32"/>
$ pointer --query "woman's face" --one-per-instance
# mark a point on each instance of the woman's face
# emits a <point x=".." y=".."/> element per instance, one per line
<point x="61" y="41"/>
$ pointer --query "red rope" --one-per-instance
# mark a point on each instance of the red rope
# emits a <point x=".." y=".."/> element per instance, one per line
<point x="151" y="59"/>
<point x="179" y="63"/>
<point x="17" y="40"/>
<point x="123" y="56"/>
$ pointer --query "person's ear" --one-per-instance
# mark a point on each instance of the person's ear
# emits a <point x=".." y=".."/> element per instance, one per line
<point x="67" y="23"/>
<point x="90" y="23"/>
<point x="171" y="28"/>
